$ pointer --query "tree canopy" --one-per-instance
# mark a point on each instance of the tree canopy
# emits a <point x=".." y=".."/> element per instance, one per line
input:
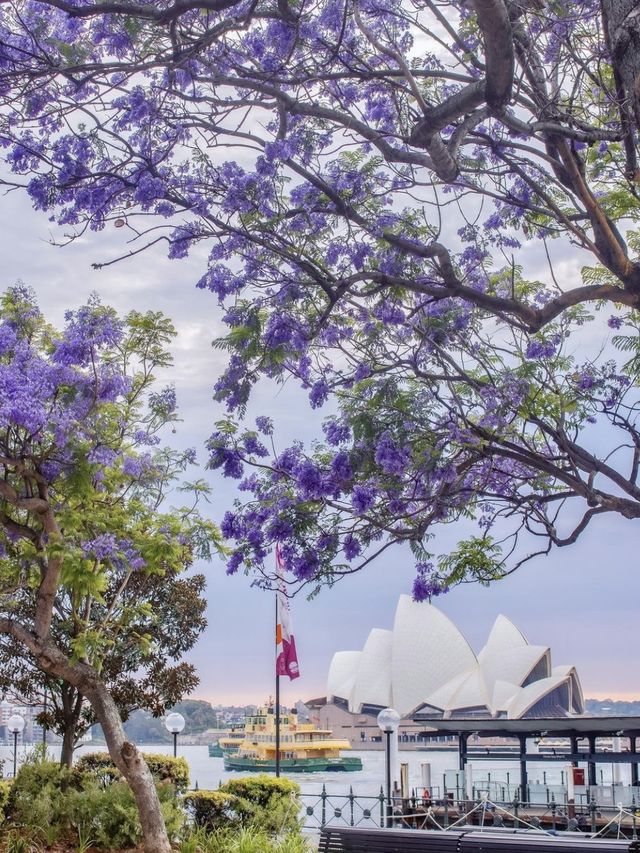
<point x="388" y="189"/>
<point x="88" y="542"/>
<point x="142" y="667"/>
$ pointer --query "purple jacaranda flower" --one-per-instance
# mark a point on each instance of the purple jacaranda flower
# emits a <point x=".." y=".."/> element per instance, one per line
<point x="318" y="394"/>
<point x="336" y="432"/>
<point x="341" y="467"/>
<point x="391" y="458"/>
<point x="102" y="547"/>
<point x="351" y="546"/>
<point x="102" y="455"/>
<point x="264" y="425"/>
<point x="234" y="562"/>
<point x="363" y="498"/>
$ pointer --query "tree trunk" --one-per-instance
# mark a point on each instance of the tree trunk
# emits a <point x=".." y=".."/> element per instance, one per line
<point x="622" y="23"/>
<point x="133" y="767"/>
<point x="68" y="739"/>
<point x="125" y="755"/>
<point x="71" y="700"/>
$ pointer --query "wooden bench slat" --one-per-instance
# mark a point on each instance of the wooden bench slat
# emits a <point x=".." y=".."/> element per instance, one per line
<point x="361" y="840"/>
<point x="476" y="842"/>
<point x="353" y="840"/>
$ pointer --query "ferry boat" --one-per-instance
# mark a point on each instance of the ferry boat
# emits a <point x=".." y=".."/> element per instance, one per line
<point x="227" y="744"/>
<point x="303" y="747"/>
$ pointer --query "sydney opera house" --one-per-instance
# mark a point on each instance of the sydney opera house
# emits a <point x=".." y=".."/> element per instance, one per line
<point x="425" y="664"/>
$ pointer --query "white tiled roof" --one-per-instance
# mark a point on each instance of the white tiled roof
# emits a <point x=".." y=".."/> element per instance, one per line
<point x="342" y="674"/>
<point x="372" y="685"/>
<point x="428" y="650"/>
<point x="425" y="660"/>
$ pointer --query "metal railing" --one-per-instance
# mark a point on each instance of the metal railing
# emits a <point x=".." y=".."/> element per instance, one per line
<point x="323" y="809"/>
<point x="447" y="811"/>
<point x="540" y="793"/>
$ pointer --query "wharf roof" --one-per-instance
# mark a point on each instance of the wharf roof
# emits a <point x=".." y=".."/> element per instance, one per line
<point x="554" y="727"/>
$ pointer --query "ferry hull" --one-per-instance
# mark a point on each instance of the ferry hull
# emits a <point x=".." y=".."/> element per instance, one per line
<point x="217" y="751"/>
<point x="291" y="765"/>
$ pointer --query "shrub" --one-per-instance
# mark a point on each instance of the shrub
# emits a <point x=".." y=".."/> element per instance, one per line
<point x="262" y="789"/>
<point x="36" y="798"/>
<point x="5" y="791"/>
<point x="212" y="810"/>
<point x="18" y="842"/>
<point x="266" y="803"/>
<point x="248" y="840"/>
<point x="109" y="815"/>
<point x="164" y="768"/>
<point x="245" y="840"/>
<point x="260" y="803"/>
<point x="293" y="844"/>
<point x="53" y="803"/>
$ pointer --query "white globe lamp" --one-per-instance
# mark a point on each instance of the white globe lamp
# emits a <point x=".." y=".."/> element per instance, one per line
<point x="15" y="726"/>
<point x="174" y="723"/>
<point x="388" y="723"/>
<point x="388" y="720"/>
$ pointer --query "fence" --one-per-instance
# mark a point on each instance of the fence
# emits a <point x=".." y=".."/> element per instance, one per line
<point x="593" y="818"/>
<point x="505" y="790"/>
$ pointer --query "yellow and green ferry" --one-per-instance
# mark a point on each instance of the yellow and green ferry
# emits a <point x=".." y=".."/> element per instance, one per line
<point x="228" y="743"/>
<point x="304" y="748"/>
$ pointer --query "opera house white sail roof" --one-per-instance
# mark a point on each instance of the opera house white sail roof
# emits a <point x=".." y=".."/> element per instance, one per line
<point x="426" y="664"/>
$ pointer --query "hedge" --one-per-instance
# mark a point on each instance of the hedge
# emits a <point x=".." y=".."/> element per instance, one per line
<point x="5" y="790"/>
<point x="212" y="810"/>
<point x="164" y="768"/>
<point x="262" y="789"/>
<point x="259" y="802"/>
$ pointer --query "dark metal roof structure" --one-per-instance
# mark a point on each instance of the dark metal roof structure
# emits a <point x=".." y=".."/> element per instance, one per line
<point x="573" y="728"/>
<point x="554" y="727"/>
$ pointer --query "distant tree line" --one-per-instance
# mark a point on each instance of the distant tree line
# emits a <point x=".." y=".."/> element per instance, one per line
<point x="612" y="707"/>
<point x="143" y="727"/>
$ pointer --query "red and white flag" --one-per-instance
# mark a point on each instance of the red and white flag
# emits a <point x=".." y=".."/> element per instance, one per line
<point x="286" y="657"/>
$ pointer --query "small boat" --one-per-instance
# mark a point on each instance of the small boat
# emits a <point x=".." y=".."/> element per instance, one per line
<point x="304" y="748"/>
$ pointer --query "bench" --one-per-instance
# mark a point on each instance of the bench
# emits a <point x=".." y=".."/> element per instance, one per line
<point x="535" y="842"/>
<point x="347" y="839"/>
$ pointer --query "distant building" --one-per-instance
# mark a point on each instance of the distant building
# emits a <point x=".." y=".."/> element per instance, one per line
<point x="425" y="664"/>
<point x="362" y="731"/>
<point x="32" y="732"/>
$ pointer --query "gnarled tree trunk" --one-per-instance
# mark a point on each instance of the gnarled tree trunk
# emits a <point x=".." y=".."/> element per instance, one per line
<point x="133" y="767"/>
<point x="66" y="754"/>
<point x="71" y="711"/>
<point x="622" y="23"/>
<point x="124" y="754"/>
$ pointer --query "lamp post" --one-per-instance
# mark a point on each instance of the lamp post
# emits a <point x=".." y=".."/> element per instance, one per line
<point x="15" y="725"/>
<point x="174" y="723"/>
<point x="388" y="722"/>
<point x="44" y="722"/>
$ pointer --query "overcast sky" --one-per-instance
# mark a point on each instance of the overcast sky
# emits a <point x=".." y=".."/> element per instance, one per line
<point x="581" y="601"/>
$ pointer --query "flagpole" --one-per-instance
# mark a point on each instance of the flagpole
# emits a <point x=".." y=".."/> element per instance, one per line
<point x="277" y="698"/>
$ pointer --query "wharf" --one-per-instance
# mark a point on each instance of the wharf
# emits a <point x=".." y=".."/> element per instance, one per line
<point x="550" y="818"/>
<point x="529" y="732"/>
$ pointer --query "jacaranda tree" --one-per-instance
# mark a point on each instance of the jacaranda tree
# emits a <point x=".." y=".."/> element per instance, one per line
<point x="380" y="183"/>
<point x="83" y="520"/>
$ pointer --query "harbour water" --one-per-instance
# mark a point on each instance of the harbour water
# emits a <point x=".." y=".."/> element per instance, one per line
<point x="209" y="772"/>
